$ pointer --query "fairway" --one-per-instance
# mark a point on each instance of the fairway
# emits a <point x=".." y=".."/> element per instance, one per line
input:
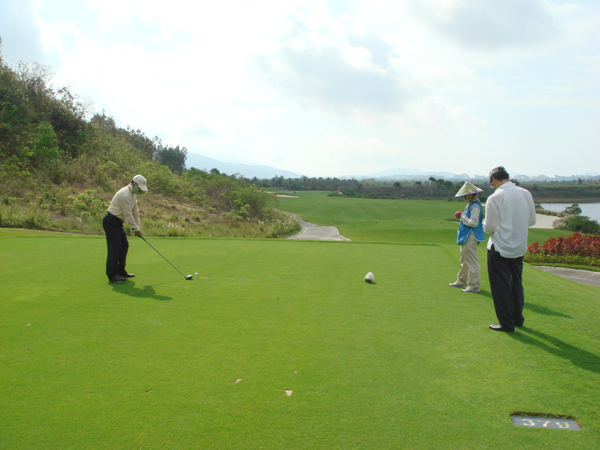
<point x="280" y="344"/>
<point x="405" y="221"/>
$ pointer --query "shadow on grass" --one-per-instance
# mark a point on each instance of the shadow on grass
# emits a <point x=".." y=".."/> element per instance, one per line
<point x="543" y="310"/>
<point x="128" y="288"/>
<point x="485" y="294"/>
<point x="556" y="347"/>
<point x="532" y="307"/>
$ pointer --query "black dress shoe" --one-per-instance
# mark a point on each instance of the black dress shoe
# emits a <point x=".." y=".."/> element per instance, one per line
<point x="117" y="278"/>
<point x="127" y="275"/>
<point x="501" y="328"/>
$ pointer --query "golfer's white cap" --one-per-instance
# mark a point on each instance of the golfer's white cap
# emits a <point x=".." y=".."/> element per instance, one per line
<point x="141" y="182"/>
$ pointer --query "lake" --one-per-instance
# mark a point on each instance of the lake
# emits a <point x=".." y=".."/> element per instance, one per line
<point x="592" y="210"/>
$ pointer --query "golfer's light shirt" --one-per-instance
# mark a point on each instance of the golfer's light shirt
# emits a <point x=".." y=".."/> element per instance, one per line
<point x="124" y="206"/>
<point x="509" y="212"/>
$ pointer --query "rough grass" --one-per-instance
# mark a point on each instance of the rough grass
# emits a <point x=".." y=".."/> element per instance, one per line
<point x="160" y="362"/>
<point x="159" y="217"/>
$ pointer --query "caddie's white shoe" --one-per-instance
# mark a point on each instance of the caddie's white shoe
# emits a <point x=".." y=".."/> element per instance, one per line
<point x="457" y="284"/>
<point x="470" y="289"/>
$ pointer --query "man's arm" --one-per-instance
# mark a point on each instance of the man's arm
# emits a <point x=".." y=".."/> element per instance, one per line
<point x="127" y="206"/>
<point x="531" y="207"/>
<point x="491" y="223"/>
<point x="136" y="214"/>
<point x="136" y="217"/>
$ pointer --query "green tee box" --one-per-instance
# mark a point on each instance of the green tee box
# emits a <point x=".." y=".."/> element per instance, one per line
<point x="158" y="362"/>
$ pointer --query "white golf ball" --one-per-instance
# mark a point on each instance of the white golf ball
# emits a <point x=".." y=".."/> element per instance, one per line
<point x="196" y="273"/>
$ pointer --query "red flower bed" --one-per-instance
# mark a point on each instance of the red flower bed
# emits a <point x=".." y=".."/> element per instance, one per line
<point x="584" y="245"/>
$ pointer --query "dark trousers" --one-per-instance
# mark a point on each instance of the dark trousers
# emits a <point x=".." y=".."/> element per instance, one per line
<point x="117" y="245"/>
<point x="506" y="282"/>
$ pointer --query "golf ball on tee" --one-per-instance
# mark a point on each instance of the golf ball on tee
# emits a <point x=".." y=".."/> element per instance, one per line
<point x="196" y="274"/>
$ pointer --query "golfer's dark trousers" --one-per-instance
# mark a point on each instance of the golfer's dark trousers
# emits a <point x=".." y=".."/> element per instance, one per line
<point x="506" y="282"/>
<point x="116" y="242"/>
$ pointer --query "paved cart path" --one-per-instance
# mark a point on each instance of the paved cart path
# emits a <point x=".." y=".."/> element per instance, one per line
<point x="312" y="232"/>
<point x="543" y="221"/>
<point x="580" y="276"/>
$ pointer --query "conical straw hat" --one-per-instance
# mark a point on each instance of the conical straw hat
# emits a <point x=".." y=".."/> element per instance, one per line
<point x="468" y="189"/>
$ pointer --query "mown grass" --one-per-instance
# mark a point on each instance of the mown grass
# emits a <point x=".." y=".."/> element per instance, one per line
<point x="161" y="362"/>
<point x="405" y="221"/>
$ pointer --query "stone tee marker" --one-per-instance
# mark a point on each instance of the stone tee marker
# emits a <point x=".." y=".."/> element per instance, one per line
<point x="545" y="422"/>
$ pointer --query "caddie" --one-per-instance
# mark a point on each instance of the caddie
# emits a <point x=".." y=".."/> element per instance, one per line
<point x="470" y="234"/>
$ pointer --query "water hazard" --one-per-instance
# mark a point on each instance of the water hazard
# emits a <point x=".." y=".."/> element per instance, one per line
<point x="592" y="210"/>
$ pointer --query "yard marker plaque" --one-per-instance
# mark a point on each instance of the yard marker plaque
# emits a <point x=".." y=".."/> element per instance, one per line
<point x="545" y="422"/>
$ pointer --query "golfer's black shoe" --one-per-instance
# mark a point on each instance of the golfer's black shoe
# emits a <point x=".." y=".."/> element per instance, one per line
<point x="501" y="328"/>
<point x="117" y="278"/>
<point x="127" y="275"/>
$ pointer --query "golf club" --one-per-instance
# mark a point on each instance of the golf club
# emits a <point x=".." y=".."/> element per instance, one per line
<point x="189" y="277"/>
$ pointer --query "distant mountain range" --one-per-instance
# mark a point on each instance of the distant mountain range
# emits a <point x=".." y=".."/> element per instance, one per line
<point x="542" y="178"/>
<point x="247" y="170"/>
<point x="400" y="173"/>
<point x="416" y="175"/>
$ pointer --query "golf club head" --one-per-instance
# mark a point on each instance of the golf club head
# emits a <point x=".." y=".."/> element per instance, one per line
<point x="189" y="277"/>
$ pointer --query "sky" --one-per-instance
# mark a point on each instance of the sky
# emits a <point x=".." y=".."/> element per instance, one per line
<point x="330" y="87"/>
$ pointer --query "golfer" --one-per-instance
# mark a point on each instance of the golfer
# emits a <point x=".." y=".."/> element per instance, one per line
<point x="123" y="208"/>
<point x="509" y="212"/>
<point x="470" y="234"/>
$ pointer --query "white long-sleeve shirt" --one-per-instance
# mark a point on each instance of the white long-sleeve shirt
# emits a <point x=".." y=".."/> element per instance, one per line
<point x="509" y="212"/>
<point x="124" y="206"/>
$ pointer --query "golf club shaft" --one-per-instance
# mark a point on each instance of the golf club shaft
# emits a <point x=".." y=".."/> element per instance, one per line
<point x="163" y="257"/>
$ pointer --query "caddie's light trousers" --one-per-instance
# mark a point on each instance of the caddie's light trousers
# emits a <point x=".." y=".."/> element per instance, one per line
<point x="470" y="272"/>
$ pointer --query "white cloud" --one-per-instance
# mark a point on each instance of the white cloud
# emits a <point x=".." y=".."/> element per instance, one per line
<point x="491" y="25"/>
<point x="393" y="83"/>
<point x="339" y="155"/>
<point x="436" y="115"/>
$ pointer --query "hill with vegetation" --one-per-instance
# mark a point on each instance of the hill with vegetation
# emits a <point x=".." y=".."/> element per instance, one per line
<point x="59" y="170"/>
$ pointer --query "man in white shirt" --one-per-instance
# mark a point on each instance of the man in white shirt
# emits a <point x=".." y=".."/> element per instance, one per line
<point x="123" y="208"/>
<point x="509" y="213"/>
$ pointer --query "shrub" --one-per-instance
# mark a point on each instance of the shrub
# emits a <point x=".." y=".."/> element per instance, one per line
<point x="581" y="224"/>
<point x="90" y="203"/>
<point x="45" y="146"/>
<point x="582" y="249"/>
<point x="573" y="209"/>
<point x="562" y="259"/>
